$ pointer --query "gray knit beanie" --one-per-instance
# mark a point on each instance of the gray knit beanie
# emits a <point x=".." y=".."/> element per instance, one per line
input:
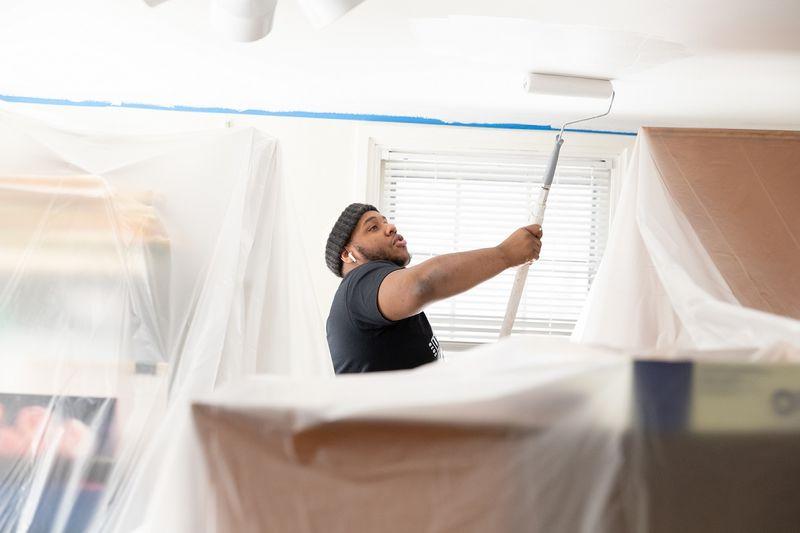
<point x="340" y="234"/>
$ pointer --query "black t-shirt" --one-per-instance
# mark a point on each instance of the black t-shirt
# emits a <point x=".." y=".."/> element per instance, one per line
<point x="361" y="339"/>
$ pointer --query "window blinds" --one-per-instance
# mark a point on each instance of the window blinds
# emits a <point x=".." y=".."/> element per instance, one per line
<point x="447" y="202"/>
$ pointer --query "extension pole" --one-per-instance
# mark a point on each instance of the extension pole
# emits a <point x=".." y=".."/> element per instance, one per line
<point x="549" y="84"/>
<point x="537" y="216"/>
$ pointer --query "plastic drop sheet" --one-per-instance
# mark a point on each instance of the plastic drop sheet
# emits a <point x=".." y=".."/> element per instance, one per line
<point x="133" y="274"/>
<point x="538" y="435"/>
<point x="704" y="248"/>
<point x="524" y="436"/>
<point x="528" y="434"/>
<point x="142" y="272"/>
<point x="501" y="441"/>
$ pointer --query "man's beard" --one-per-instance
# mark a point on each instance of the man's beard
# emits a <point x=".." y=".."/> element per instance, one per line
<point x="382" y="255"/>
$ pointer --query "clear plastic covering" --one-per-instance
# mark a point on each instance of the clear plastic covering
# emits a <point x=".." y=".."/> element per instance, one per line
<point x="531" y="434"/>
<point x="517" y="436"/>
<point x="145" y="279"/>
<point x="525" y="435"/>
<point x="701" y="213"/>
<point x="129" y="281"/>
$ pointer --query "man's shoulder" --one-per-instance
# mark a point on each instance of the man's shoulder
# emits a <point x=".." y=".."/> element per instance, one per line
<point x="357" y="296"/>
<point x="363" y="278"/>
<point x="372" y="268"/>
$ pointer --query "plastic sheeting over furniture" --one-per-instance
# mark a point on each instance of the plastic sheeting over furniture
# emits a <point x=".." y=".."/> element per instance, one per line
<point x="526" y="435"/>
<point x="139" y="273"/>
<point x="704" y="248"/>
<point x="134" y="273"/>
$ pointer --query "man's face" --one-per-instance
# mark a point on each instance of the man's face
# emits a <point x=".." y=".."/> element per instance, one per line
<point x="375" y="238"/>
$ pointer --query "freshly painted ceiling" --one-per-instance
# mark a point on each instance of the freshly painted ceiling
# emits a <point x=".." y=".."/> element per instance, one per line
<point x="716" y="63"/>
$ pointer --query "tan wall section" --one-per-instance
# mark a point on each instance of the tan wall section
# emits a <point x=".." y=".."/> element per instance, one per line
<point x="740" y="191"/>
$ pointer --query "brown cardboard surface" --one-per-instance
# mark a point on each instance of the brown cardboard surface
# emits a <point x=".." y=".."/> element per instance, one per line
<point x="740" y="191"/>
<point x="362" y="476"/>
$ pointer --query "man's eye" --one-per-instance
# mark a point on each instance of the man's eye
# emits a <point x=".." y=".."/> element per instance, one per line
<point x="373" y="228"/>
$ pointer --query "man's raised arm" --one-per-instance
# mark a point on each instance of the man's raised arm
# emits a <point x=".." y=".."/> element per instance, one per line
<point x="405" y="292"/>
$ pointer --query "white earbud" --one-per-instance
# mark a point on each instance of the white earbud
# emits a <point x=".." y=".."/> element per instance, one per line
<point x="352" y="259"/>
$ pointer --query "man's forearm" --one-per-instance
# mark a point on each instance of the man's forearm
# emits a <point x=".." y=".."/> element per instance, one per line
<point x="450" y="274"/>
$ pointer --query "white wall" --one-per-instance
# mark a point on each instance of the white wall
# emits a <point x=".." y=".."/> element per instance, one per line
<point x="325" y="162"/>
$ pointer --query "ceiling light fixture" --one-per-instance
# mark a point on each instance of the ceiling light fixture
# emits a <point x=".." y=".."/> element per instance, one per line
<point x="251" y="20"/>
<point x="242" y="20"/>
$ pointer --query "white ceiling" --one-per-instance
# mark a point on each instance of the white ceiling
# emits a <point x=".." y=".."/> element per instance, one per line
<point x="721" y="63"/>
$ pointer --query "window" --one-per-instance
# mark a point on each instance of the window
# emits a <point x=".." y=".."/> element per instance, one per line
<point x="445" y="202"/>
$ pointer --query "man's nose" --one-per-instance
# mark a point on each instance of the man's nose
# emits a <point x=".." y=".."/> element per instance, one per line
<point x="391" y="229"/>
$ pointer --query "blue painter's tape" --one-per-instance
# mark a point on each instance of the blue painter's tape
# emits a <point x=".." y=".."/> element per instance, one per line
<point x="299" y="114"/>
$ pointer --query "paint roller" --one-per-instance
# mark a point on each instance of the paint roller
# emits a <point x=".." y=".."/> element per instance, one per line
<point x="554" y="85"/>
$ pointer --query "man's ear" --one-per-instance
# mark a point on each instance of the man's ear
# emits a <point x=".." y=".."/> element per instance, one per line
<point x="347" y="256"/>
